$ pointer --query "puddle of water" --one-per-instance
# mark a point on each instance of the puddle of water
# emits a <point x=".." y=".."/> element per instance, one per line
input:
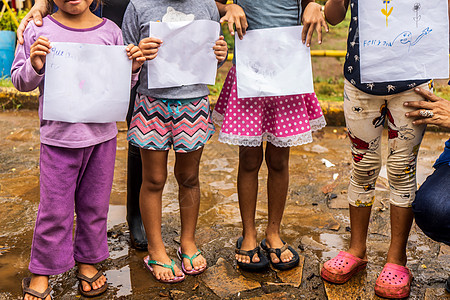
<point x="120" y="279"/>
<point x="116" y="215"/>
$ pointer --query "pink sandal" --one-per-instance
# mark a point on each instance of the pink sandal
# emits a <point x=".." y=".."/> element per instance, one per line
<point x="394" y="282"/>
<point x="341" y="268"/>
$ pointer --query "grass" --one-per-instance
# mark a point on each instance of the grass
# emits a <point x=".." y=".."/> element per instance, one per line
<point x="5" y="82"/>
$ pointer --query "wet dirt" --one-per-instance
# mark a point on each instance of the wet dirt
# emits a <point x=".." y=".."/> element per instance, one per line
<point x="315" y="223"/>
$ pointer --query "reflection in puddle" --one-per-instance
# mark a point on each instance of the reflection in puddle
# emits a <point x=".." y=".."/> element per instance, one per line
<point x="334" y="243"/>
<point x="116" y="215"/>
<point x="120" y="279"/>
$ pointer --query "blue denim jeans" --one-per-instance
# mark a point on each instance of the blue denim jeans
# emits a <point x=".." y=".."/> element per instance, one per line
<point x="432" y="205"/>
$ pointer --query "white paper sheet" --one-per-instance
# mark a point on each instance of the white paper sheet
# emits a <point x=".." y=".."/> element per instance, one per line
<point x="403" y="39"/>
<point x="186" y="56"/>
<point x="273" y="62"/>
<point x="86" y="83"/>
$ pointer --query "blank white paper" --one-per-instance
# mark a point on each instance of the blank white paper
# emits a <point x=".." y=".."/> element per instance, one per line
<point x="86" y="83"/>
<point x="186" y="55"/>
<point x="273" y="62"/>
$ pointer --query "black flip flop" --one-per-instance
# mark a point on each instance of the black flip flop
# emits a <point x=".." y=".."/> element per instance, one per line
<point x="277" y="251"/>
<point x="26" y="290"/>
<point x="90" y="281"/>
<point x="252" y="266"/>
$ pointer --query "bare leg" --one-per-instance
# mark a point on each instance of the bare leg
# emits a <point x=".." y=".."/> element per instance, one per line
<point x="39" y="283"/>
<point x="154" y="175"/>
<point x="186" y="173"/>
<point x="277" y="160"/>
<point x="359" y="224"/>
<point x="250" y="160"/>
<point x="401" y="221"/>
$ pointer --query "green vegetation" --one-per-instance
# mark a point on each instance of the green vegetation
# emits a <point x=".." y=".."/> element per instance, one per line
<point x="7" y="23"/>
<point x="5" y="82"/>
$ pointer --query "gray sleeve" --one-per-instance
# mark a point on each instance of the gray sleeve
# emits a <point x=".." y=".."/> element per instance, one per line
<point x="130" y="26"/>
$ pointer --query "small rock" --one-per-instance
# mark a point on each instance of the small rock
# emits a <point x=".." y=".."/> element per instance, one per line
<point x="164" y="294"/>
<point x="177" y="295"/>
<point x="292" y="277"/>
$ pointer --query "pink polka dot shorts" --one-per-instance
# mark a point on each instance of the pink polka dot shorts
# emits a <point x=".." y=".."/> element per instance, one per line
<point x="284" y="121"/>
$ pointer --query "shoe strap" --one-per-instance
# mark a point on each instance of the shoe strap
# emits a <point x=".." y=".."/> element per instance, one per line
<point x="278" y="251"/>
<point x="191" y="258"/>
<point x="171" y="266"/>
<point x="249" y="253"/>
<point x="90" y="280"/>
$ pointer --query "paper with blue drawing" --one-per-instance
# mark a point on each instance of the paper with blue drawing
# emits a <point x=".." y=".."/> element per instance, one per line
<point x="273" y="62"/>
<point x="86" y="83"/>
<point x="403" y="40"/>
<point x="186" y="56"/>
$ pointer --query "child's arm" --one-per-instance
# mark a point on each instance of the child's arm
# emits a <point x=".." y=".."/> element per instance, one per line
<point x="312" y="19"/>
<point x="221" y="49"/>
<point x="335" y="11"/>
<point x="234" y="15"/>
<point x="27" y="69"/>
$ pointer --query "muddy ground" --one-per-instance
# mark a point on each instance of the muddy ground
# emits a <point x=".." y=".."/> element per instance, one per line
<point x="316" y="223"/>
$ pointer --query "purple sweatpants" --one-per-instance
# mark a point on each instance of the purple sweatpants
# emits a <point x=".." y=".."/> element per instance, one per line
<point x="72" y="179"/>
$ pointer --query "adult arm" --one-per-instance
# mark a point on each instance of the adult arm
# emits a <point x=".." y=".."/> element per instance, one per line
<point x="234" y="15"/>
<point x="312" y="19"/>
<point x="39" y="10"/>
<point x="335" y="11"/>
<point x="437" y="105"/>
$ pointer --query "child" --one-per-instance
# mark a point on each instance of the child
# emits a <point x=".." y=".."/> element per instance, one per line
<point x="269" y="115"/>
<point x="367" y="107"/>
<point x="76" y="162"/>
<point x="177" y="117"/>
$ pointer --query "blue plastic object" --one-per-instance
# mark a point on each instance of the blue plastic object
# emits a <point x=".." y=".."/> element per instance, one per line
<point x="7" y="48"/>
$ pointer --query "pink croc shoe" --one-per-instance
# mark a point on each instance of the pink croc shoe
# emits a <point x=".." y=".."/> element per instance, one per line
<point x="394" y="282"/>
<point x="341" y="268"/>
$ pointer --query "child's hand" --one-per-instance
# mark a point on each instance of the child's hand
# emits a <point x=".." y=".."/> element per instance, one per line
<point x="38" y="52"/>
<point x="149" y="47"/>
<point x="136" y="55"/>
<point x="221" y="49"/>
<point x="312" y="19"/>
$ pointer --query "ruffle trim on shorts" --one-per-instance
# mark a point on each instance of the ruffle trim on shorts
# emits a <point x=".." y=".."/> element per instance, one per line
<point x="255" y="141"/>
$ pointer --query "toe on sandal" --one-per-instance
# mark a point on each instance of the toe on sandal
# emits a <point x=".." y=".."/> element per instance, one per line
<point x="278" y="251"/>
<point x="90" y="280"/>
<point x="342" y="267"/>
<point x="148" y="263"/>
<point x="252" y="266"/>
<point x="190" y="258"/>
<point x="26" y="290"/>
<point x="394" y="282"/>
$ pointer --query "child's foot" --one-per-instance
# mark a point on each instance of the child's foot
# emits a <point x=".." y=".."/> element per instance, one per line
<point x="360" y="253"/>
<point x="248" y="243"/>
<point x="190" y="249"/>
<point x="275" y="241"/>
<point x="90" y="271"/>
<point x="162" y="273"/>
<point x="39" y="284"/>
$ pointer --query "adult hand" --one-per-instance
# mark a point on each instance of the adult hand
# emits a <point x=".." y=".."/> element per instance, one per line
<point x="439" y="107"/>
<point x="36" y="13"/>
<point x="234" y="15"/>
<point x="312" y="19"/>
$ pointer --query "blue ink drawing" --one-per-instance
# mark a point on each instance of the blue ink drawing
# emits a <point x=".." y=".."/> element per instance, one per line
<point x="405" y="38"/>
